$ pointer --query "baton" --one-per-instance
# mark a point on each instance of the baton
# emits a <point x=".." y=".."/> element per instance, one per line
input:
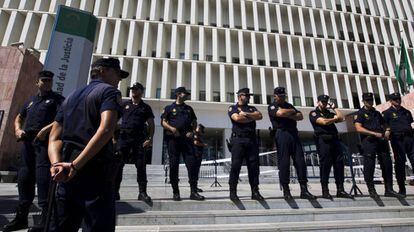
<point x="50" y="203"/>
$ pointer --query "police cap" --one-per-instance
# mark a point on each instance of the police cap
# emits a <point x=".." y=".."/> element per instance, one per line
<point x="110" y="63"/>
<point x="323" y="98"/>
<point x="136" y="86"/>
<point x="395" y="96"/>
<point x="367" y="96"/>
<point x="45" y="74"/>
<point x="280" y="91"/>
<point x="245" y="91"/>
<point x="181" y="90"/>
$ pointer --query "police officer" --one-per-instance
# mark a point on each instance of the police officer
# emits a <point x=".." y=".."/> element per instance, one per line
<point x="399" y="131"/>
<point x="244" y="144"/>
<point x="370" y="124"/>
<point x="81" y="152"/>
<point x="178" y="120"/>
<point x="199" y="146"/>
<point x="37" y="116"/>
<point x="328" y="144"/>
<point x="284" y="117"/>
<point x="132" y="139"/>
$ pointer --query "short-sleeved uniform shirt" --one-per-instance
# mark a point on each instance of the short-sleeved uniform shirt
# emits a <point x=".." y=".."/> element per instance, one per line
<point x="80" y="114"/>
<point x="242" y="128"/>
<point x="179" y="116"/>
<point x="322" y="129"/>
<point x="40" y="111"/>
<point x="370" y="119"/>
<point x="281" y="122"/>
<point x="399" y="120"/>
<point x="133" y="121"/>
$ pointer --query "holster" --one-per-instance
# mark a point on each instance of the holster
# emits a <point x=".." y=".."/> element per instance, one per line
<point x="229" y="144"/>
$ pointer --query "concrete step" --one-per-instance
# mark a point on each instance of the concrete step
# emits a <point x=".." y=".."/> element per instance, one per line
<point x="134" y="206"/>
<point x="262" y="216"/>
<point x="367" y="225"/>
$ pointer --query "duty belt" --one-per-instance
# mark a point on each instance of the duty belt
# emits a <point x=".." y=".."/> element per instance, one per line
<point x="406" y="133"/>
<point x="243" y="135"/>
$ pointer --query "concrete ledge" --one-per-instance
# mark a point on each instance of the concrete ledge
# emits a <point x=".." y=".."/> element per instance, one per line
<point x="8" y="176"/>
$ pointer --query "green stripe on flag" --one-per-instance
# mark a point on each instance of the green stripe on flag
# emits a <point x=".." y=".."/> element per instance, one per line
<point x="403" y="70"/>
<point x="76" y="22"/>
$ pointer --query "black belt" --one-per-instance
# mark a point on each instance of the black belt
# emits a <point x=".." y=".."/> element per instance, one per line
<point x="399" y="134"/>
<point x="327" y="136"/>
<point x="288" y="129"/>
<point x="243" y="135"/>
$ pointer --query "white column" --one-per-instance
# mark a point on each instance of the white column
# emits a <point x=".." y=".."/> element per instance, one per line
<point x="153" y="9"/>
<point x="188" y="43"/>
<point x="275" y="78"/>
<point x="344" y="26"/>
<point x="322" y="16"/>
<point x="255" y="16"/>
<point x="266" y="49"/>
<point x="228" y="45"/>
<point x="194" y="82"/>
<point x="180" y="11"/>
<point x="325" y="55"/>
<point x="267" y="17"/>
<point x="313" y="87"/>
<point x="289" y="86"/>
<point x="206" y="12"/>
<point x="290" y="49"/>
<point x="134" y="73"/>
<point x="167" y="10"/>
<point x="209" y="88"/>
<point x="145" y="40"/>
<point x="302" y="53"/>
<point x="140" y="5"/>
<point x="359" y="88"/>
<point x="243" y="13"/>
<point x="236" y="80"/>
<point x="291" y="23"/>
<point x="179" y="74"/>
<point x="263" y="85"/>
<point x="115" y="41"/>
<point x="193" y="12"/>
<point x="222" y="83"/>
<point x="314" y="54"/>
<point x="278" y="51"/>
<point x="349" y="92"/>
<point x="101" y="36"/>
<point x="380" y="90"/>
<point x="254" y="48"/>
<point x="336" y="55"/>
<point x="215" y="44"/>
<point x="337" y="91"/>
<point x="201" y="46"/>
<point x="150" y="80"/>
<point x="301" y="89"/>
<point x="335" y="28"/>
<point x="250" y="81"/>
<point x="174" y="41"/>
<point x="160" y="40"/>
<point x="241" y="47"/>
<point x="312" y="19"/>
<point x="301" y="22"/>
<point x="231" y="13"/>
<point x="324" y="84"/>
<point x="218" y="13"/>
<point x="165" y="81"/>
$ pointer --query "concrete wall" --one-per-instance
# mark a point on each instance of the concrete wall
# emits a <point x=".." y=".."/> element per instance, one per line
<point x="18" y="69"/>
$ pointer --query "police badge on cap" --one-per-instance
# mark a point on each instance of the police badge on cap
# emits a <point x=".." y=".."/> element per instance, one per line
<point x="368" y="96"/>
<point x="323" y="98"/>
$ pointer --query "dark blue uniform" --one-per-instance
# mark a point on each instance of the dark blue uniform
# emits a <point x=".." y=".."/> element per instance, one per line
<point x="198" y="151"/>
<point x="244" y="146"/>
<point x="328" y="146"/>
<point x="37" y="112"/>
<point x="89" y="195"/>
<point x="180" y="116"/>
<point x="131" y="138"/>
<point x="288" y="144"/>
<point x="402" y="140"/>
<point x="373" y="147"/>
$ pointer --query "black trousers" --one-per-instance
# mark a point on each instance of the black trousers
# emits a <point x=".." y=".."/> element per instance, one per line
<point x="402" y="146"/>
<point x="198" y="159"/>
<point x="330" y="155"/>
<point x="244" y="149"/>
<point x="288" y="145"/>
<point x="137" y="153"/>
<point x="373" y="148"/>
<point x="34" y="169"/>
<point x="87" y="198"/>
<point x="182" y="146"/>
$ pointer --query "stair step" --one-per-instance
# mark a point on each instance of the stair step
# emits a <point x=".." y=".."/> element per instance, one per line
<point x="369" y="225"/>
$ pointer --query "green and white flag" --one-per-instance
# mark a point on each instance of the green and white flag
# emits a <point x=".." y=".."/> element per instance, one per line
<point x="70" y="49"/>
<point x="403" y="70"/>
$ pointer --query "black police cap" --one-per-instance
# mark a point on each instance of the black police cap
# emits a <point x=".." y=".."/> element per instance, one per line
<point x="395" y="96"/>
<point x="279" y="91"/>
<point x="181" y="90"/>
<point x="45" y="74"/>
<point x="367" y="96"/>
<point x="245" y="91"/>
<point x="323" y="98"/>
<point x="136" y="86"/>
<point x="110" y="63"/>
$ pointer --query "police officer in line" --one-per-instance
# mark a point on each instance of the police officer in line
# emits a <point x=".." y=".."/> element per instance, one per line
<point x="284" y="117"/>
<point x="81" y="151"/>
<point x="199" y="146"/>
<point x="132" y="140"/>
<point x="370" y="124"/>
<point x="37" y="116"/>
<point x="399" y="131"/>
<point x="179" y="120"/>
<point x="328" y="144"/>
<point x="244" y="144"/>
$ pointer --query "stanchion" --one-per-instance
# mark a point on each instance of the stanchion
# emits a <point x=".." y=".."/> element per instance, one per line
<point x="215" y="183"/>
<point x="355" y="191"/>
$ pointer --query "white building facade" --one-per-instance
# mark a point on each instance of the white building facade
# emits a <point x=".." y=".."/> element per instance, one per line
<point x="215" y="47"/>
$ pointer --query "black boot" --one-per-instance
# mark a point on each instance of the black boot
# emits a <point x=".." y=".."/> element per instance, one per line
<point x="194" y="194"/>
<point x="256" y="194"/>
<point x="286" y="192"/>
<point x="20" y="221"/>
<point x="372" y="192"/>
<point x="325" y="192"/>
<point x="233" y="193"/>
<point x="402" y="191"/>
<point x="199" y="190"/>
<point x="176" y="192"/>
<point x="389" y="192"/>
<point x="40" y="225"/>
<point x="340" y="192"/>
<point x="143" y="196"/>
<point x="304" y="193"/>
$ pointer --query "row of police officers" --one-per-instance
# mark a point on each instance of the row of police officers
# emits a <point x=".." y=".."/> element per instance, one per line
<point x="69" y="142"/>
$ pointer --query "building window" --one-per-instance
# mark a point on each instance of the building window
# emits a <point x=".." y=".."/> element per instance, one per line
<point x="333" y="100"/>
<point x="273" y="63"/>
<point x="309" y="101"/>
<point x="296" y="101"/>
<point x="209" y="57"/>
<point x="139" y="53"/>
<point x="230" y="97"/>
<point x="322" y="67"/>
<point x="182" y="55"/>
<point x="222" y="58"/>
<point x="172" y="95"/>
<point x="286" y="64"/>
<point x="269" y="99"/>
<point x="257" y="99"/>
<point x="248" y="61"/>
<point x="168" y="54"/>
<point x="345" y="104"/>
<point x="153" y="53"/>
<point x="262" y="29"/>
<point x="261" y="62"/>
<point x="158" y="93"/>
<point x="298" y="65"/>
<point x="195" y="56"/>
<point x="236" y="60"/>
<point x="216" y="96"/>
<point x="226" y="25"/>
<point x="310" y="66"/>
<point x="202" y="95"/>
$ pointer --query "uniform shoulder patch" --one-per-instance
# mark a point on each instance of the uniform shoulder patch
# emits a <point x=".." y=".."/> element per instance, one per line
<point x="313" y="113"/>
<point x="272" y="107"/>
<point x="355" y="116"/>
<point x="230" y="109"/>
